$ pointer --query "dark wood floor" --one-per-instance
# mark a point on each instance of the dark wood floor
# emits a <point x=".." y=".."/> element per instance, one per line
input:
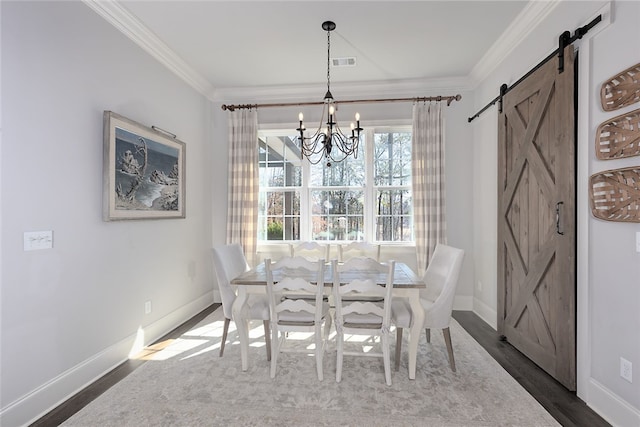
<point x="562" y="404"/>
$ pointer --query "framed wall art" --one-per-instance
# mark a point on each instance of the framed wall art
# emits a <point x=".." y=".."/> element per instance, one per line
<point x="143" y="171"/>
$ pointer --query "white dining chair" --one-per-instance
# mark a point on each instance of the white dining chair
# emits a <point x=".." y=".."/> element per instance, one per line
<point x="358" y="249"/>
<point x="297" y="275"/>
<point x="229" y="262"/>
<point x="357" y="317"/>
<point x="312" y="251"/>
<point x="441" y="280"/>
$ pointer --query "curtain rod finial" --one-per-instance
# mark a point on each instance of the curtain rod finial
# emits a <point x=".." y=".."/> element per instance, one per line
<point x="458" y="97"/>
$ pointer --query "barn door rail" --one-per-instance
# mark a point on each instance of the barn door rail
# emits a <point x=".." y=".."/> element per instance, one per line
<point x="565" y="39"/>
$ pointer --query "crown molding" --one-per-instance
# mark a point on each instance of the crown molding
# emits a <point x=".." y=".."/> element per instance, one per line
<point x="528" y="19"/>
<point x="131" y="27"/>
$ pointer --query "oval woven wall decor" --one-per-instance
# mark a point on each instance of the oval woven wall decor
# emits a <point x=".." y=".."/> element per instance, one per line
<point x="619" y="137"/>
<point x="615" y="194"/>
<point x="621" y="90"/>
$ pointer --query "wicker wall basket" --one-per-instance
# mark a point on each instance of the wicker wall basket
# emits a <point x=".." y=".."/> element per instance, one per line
<point x="621" y="90"/>
<point x="619" y="137"/>
<point x="615" y="194"/>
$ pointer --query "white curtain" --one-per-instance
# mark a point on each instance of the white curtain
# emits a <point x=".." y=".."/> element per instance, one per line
<point x="428" y="170"/>
<point x="242" y="215"/>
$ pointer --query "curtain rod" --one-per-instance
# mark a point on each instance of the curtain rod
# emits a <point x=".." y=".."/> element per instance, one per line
<point x="449" y="99"/>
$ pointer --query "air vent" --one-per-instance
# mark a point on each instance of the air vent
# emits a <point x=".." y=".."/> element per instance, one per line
<point x="349" y="61"/>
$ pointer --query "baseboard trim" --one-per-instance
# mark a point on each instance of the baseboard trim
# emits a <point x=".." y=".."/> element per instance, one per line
<point x="49" y="395"/>
<point x="611" y="407"/>
<point x="486" y="313"/>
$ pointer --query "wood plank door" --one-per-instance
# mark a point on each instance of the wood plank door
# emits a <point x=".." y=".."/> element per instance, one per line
<point x="536" y="219"/>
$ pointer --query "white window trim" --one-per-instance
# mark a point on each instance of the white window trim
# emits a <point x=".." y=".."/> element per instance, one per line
<point x="272" y="129"/>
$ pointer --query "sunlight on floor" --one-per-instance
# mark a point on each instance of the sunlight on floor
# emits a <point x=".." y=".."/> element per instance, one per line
<point x="199" y="337"/>
<point x="206" y="338"/>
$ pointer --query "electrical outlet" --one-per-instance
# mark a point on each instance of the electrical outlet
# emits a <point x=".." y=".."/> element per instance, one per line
<point x="479" y="285"/>
<point x="147" y="307"/>
<point x="626" y="369"/>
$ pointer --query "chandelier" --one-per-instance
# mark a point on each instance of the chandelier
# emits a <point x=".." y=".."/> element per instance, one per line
<point x="330" y="144"/>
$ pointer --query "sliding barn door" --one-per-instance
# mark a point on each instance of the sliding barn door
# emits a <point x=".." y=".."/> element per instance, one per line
<point x="536" y="219"/>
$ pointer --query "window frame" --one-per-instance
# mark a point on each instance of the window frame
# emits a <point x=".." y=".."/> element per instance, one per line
<point x="369" y="189"/>
<point x="371" y="209"/>
<point x="278" y="189"/>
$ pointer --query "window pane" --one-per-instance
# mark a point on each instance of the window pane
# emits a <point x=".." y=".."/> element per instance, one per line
<point x="393" y="229"/>
<point x="279" y="161"/>
<point x="392" y="158"/>
<point x="393" y="215"/>
<point x="279" y="215"/>
<point x="337" y="215"/>
<point x="347" y="173"/>
<point x="274" y="203"/>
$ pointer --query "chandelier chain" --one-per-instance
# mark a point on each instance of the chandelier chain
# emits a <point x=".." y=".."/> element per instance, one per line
<point x="328" y="61"/>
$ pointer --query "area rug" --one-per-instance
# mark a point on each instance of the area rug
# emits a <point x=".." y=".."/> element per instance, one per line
<point x="186" y="383"/>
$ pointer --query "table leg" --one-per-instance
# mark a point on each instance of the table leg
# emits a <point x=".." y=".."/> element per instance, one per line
<point x="242" y="325"/>
<point x="417" y="316"/>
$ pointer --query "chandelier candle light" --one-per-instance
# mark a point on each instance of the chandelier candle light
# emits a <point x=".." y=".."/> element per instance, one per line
<point x="323" y="143"/>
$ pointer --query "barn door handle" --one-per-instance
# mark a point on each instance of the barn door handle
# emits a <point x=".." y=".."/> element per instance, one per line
<point x="558" y="217"/>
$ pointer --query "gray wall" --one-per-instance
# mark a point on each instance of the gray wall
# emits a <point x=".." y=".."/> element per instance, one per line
<point x="608" y="304"/>
<point x="611" y="269"/>
<point x="70" y="313"/>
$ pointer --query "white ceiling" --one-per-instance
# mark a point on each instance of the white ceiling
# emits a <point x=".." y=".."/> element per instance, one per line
<point x="255" y="44"/>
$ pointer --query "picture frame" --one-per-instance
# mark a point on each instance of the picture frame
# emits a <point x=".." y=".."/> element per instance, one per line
<point x="143" y="171"/>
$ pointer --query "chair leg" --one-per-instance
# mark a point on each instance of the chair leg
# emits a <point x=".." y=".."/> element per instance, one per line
<point x="398" y="347"/>
<point x="276" y="349"/>
<point x="428" y="332"/>
<point x="447" y="340"/>
<point x="386" y="357"/>
<point x="339" y="344"/>
<point x="267" y="339"/>
<point x="319" y="350"/>
<point x="224" y="335"/>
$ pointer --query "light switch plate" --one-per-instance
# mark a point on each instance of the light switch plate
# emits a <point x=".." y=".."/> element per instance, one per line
<point x="35" y="240"/>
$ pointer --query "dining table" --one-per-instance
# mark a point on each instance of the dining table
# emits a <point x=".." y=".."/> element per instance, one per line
<point x="406" y="284"/>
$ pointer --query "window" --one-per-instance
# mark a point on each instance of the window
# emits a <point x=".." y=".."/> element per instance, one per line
<point x="392" y="184"/>
<point x="280" y="175"/>
<point x="362" y="198"/>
